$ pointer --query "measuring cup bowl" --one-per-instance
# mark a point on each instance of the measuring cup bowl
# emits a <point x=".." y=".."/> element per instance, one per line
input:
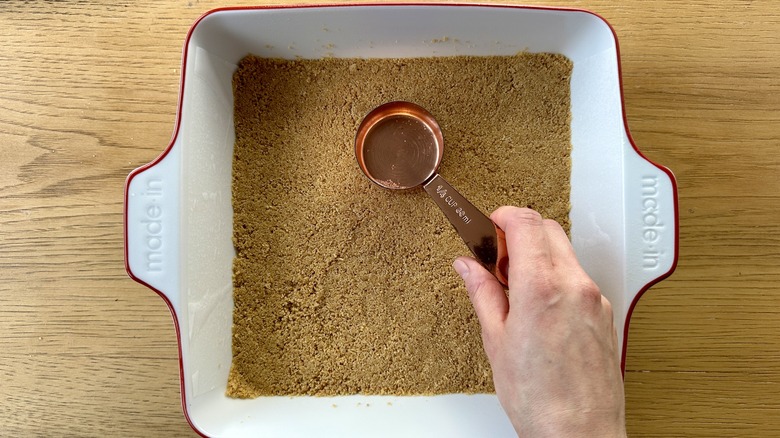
<point x="399" y="145"/>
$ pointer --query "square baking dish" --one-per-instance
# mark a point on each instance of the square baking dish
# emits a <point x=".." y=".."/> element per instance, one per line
<point x="178" y="214"/>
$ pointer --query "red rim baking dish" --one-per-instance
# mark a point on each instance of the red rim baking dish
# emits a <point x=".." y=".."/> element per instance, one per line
<point x="178" y="214"/>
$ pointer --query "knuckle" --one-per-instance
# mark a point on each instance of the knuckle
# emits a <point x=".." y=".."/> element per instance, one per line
<point x="522" y="217"/>
<point x="551" y="223"/>
<point x="589" y="291"/>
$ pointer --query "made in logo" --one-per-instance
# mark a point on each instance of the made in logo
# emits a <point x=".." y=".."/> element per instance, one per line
<point x="652" y="227"/>
<point x="153" y="226"/>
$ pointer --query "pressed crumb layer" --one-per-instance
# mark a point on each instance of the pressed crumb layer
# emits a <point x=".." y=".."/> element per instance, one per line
<point x="342" y="287"/>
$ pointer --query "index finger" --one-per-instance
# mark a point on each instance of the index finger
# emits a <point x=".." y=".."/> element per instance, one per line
<point x="526" y="239"/>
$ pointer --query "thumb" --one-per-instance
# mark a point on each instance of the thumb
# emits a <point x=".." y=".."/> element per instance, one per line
<point x="486" y="294"/>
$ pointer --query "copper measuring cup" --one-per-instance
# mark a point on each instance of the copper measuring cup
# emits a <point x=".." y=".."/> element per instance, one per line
<point x="399" y="146"/>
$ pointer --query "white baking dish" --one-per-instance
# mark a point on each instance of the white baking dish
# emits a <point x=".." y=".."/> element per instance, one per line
<point x="178" y="220"/>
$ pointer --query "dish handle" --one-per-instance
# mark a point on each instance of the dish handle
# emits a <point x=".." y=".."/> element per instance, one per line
<point x="152" y="247"/>
<point x="652" y="226"/>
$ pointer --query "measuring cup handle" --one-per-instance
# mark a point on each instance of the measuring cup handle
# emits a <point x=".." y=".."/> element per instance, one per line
<point x="502" y="264"/>
<point x="483" y="237"/>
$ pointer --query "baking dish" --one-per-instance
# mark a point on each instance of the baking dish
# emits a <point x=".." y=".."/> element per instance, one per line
<point x="178" y="214"/>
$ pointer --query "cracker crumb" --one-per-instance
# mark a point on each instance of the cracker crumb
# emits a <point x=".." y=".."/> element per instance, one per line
<point x="343" y="287"/>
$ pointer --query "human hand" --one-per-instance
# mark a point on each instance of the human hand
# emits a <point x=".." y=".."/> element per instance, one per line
<point x="552" y="342"/>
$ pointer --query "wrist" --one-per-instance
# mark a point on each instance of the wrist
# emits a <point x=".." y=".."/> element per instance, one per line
<point x="574" y="424"/>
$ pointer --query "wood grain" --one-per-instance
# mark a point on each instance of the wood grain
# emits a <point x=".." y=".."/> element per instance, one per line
<point x="88" y="92"/>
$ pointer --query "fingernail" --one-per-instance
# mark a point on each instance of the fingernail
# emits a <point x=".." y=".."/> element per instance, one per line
<point x="461" y="268"/>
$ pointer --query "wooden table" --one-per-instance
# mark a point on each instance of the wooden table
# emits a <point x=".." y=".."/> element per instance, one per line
<point x="88" y="92"/>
